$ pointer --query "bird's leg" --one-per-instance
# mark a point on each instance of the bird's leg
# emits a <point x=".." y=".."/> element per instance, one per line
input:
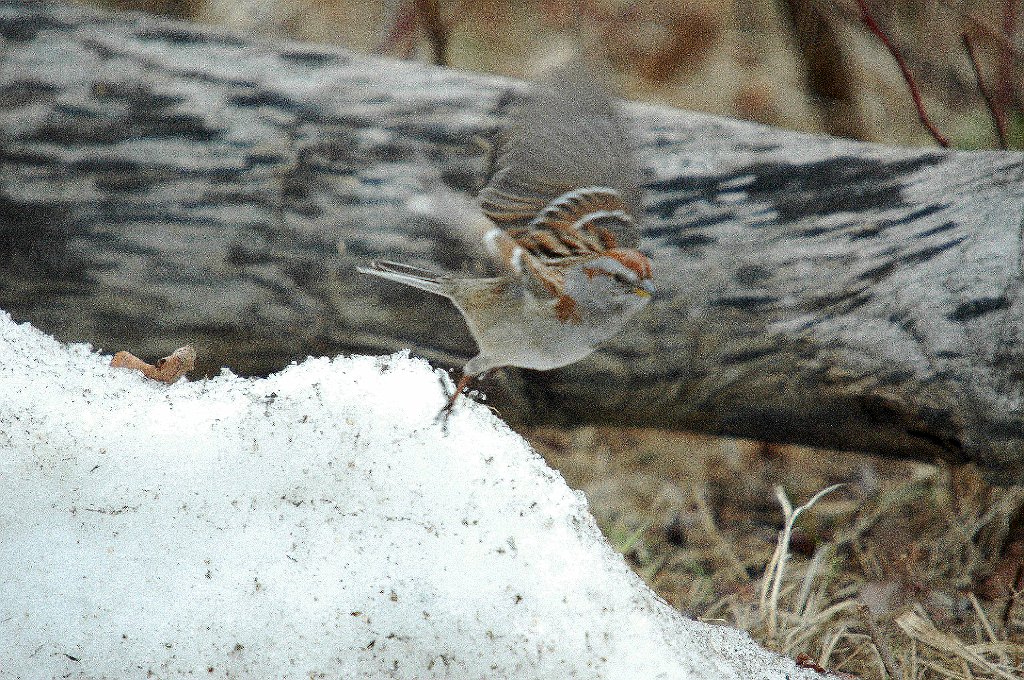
<point x="443" y="414"/>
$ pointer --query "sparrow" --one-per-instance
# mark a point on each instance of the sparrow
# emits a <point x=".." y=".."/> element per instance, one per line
<point x="563" y="202"/>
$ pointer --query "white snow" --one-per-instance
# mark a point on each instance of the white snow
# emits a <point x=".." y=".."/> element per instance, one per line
<point x="315" y="523"/>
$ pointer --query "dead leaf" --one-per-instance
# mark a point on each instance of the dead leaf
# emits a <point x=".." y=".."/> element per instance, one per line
<point x="168" y="369"/>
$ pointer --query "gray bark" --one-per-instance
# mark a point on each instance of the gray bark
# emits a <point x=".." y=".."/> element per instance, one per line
<point x="164" y="183"/>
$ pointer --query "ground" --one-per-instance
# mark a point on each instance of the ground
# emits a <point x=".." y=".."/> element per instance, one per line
<point x="919" y="546"/>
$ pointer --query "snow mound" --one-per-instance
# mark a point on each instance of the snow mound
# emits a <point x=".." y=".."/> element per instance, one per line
<point x="315" y="523"/>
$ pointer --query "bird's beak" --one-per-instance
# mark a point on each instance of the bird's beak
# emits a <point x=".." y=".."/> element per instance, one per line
<point x="645" y="289"/>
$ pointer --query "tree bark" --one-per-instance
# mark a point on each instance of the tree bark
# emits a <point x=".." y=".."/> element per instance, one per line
<point x="166" y="183"/>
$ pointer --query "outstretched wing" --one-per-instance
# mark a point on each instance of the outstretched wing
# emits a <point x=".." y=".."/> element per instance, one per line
<point x="564" y="156"/>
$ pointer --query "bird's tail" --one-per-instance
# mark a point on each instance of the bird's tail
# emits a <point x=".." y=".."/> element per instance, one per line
<point x="408" y="275"/>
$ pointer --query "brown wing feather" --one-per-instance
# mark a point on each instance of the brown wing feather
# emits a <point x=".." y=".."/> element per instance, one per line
<point x="578" y="223"/>
<point x="566" y="137"/>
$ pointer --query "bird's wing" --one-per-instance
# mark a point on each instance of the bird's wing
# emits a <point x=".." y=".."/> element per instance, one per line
<point x="565" y="150"/>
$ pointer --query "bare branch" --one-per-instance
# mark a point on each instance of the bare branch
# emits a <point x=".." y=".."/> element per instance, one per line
<point x="993" y="33"/>
<point x="915" y="92"/>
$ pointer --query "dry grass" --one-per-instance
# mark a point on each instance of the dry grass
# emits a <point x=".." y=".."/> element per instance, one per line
<point x="884" y="571"/>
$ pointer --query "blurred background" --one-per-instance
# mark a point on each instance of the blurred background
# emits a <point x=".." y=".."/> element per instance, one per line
<point x="909" y="570"/>
<point x="809" y="65"/>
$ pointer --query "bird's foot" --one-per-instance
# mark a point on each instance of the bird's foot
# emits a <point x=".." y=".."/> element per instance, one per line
<point x="446" y="411"/>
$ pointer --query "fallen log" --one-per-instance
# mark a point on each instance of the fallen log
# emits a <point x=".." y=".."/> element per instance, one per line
<point x="166" y="183"/>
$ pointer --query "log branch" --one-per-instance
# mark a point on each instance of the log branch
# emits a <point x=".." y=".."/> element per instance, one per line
<point x="165" y="184"/>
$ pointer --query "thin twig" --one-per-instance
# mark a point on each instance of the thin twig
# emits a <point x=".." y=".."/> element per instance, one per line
<point x="992" y="33"/>
<point x="998" y="118"/>
<point x="844" y="9"/>
<point x="884" y="653"/>
<point x="908" y="78"/>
